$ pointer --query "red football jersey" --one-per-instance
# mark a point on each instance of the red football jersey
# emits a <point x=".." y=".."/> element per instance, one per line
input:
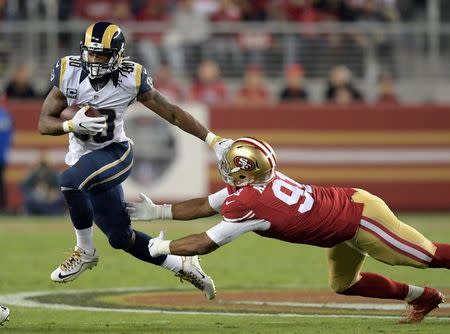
<point x="320" y="216"/>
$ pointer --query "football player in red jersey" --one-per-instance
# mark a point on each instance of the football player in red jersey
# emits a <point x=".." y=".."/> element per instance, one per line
<point x="350" y="223"/>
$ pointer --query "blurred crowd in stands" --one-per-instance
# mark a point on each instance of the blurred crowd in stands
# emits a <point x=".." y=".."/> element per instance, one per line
<point x="209" y="87"/>
<point x="41" y="190"/>
<point x="221" y="10"/>
<point x="213" y="57"/>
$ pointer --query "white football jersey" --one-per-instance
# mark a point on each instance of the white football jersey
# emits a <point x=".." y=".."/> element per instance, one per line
<point x="110" y="100"/>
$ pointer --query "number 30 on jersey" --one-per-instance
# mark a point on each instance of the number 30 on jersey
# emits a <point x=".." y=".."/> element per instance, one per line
<point x="298" y="192"/>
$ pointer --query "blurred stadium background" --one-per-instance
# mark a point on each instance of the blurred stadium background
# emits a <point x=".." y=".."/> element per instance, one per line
<point x="350" y="92"/>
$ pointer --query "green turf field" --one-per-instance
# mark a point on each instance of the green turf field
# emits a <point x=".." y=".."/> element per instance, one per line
<point x="31" y="248"/>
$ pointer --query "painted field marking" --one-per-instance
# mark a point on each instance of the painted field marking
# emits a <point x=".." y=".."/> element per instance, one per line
<point x="341" y="306"/>
<point x="22" y="299"/>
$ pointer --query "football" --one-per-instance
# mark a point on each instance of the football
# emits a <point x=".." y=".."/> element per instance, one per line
<point x="70" y="111"/>
<point x="4" y="314"/>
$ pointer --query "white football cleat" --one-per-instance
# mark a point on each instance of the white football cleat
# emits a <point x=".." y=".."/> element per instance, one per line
<point x="193" y="272"/>
<point x="4" y="314"/>
<point x="70" y="269"/>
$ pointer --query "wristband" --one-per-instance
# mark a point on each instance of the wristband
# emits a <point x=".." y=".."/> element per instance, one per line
<point x="164" y="211"/>
<point x="164" y="247"/>
<point x="211" y="139"/>
<point x="67" y="126"/>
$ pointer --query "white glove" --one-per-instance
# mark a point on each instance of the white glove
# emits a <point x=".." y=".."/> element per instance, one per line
<point x="158" y="246"/>
<point x="82" y="124"/>
<point x="218" y="144"/>
<point x="147" y="210"/>
<point x="222" y="147"/>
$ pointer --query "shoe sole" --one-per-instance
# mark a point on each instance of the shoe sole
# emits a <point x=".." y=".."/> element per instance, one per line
<point x="213" y="288"/>
<point x="74" y="276"/>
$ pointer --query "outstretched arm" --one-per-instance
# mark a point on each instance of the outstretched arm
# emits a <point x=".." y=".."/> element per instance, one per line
<point x="194" y="244"/>
<point x="192" y="209"/>
<point x="172" y="113"/>
<point x="187" y="210"/>
<point x="206" y="242"/>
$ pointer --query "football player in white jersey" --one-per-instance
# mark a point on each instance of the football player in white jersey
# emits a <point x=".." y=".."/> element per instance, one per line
<point x="100" y="154"/>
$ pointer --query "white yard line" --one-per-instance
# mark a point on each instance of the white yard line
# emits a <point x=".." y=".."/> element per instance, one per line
<point x="22" y="299"/>
<point x="342" y="306"/>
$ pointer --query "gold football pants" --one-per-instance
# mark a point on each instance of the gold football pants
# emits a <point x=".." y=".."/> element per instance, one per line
<point x="380" y="235"/>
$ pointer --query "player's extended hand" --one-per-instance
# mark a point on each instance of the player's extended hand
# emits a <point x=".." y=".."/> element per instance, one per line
<point x="158" y="246"/>
<point x="82" y="124"/>
<point x="147" y="210"/>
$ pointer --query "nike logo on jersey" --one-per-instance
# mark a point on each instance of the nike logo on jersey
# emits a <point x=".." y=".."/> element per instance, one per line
<point x="229" y="202"/>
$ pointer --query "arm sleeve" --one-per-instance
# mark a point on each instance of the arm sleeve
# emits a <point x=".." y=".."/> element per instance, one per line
<point x="145" y="82"/>
<point x="55" y="74"/>
<point x="234" y="210"/>
<point x="225" y="232"/>
<point x="216" y="200"/>
<point x="58" y="71"/>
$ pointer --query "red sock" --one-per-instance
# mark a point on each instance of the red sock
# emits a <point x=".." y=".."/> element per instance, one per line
<point x="377" y="286"/>
<point x="441" y="258"/>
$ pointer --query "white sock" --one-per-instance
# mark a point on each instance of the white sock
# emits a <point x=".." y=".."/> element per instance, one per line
<point x="173" y="263"/>
<point x="414" y="292"/>
<point x="85" y="240"/>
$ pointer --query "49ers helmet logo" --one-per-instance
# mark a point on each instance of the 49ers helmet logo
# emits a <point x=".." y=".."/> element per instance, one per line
<point x="244" y="163"/>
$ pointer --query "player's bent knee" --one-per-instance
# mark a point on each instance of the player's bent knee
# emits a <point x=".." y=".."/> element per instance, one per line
<point x="120" y="240"/>
<point x="340" y="286"/>
<point x="68" y="180"/>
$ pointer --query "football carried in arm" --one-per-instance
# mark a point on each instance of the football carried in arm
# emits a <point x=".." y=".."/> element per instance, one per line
<point x="70" y="111"/>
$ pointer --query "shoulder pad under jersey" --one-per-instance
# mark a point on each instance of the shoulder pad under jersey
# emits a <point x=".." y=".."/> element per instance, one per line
<point x="143" y="82"/>
<point x="61" y="67"/>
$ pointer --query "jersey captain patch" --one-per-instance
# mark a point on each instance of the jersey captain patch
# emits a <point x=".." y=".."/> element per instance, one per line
<point x="72" y="93"/>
